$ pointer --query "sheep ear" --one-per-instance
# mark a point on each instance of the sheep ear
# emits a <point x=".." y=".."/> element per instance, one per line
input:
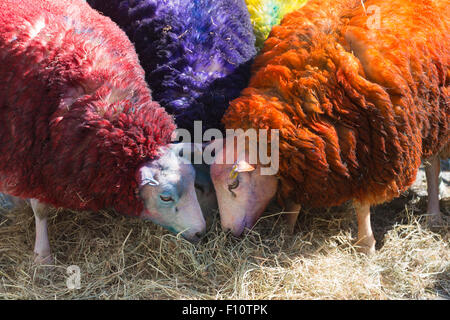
<point x="240" y="166"/>
<point x="244" y="166"/>
<point x="146" y="177"/>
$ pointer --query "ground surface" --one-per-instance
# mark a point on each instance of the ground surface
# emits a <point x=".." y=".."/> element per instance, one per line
<point x="122" y="258"/>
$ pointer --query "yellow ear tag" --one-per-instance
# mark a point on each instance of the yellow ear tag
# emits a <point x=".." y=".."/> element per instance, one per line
<point x="234" y="172"/>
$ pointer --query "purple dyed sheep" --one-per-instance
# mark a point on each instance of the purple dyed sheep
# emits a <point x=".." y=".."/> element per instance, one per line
<point x="196" y="54"/>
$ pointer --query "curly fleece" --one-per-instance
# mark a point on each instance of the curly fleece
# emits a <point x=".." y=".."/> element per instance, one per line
<point x="196" y="53"/>
<point x="77" y="118"/>
<point x="358" y="105"/>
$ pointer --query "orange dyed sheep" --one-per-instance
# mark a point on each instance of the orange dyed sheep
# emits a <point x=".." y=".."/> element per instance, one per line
<point x="360" y="94"/>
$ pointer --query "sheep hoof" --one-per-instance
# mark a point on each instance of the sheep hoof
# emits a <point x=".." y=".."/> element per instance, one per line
<point x="290" y="222"/>
<point x="368" y="251"/>
<point x="293" y="211"/>
<point x="43" y="259"/>
<point x="434" y="220"/>
<point x="366" y="246"/>
<point x="290" y="229"/>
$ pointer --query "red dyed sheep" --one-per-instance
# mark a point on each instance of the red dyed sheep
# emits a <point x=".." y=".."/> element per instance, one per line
<point x="360" y="99"/>
<point x="78" y="127"/>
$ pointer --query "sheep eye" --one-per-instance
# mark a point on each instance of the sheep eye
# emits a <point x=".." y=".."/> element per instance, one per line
<point x="232" y="186"/>
<point x="166" y="198"/>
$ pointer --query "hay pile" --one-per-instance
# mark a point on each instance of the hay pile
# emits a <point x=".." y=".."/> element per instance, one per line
<point x="122" y="258"/>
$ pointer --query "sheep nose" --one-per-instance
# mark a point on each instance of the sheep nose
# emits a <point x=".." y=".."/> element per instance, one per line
<point x="200" y="234"/>
<point x="195" y="237"/>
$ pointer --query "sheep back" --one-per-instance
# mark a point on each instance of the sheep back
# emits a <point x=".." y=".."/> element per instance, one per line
<point x="357" y="107"/>
<point x="196" y="54"/>
<point x="77" y="118"/>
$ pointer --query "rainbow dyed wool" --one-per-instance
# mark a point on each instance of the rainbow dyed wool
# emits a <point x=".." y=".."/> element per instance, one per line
<point x="267" y="13"/>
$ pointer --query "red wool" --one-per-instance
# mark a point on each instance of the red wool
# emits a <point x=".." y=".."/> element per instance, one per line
<point x="76" y="116"/>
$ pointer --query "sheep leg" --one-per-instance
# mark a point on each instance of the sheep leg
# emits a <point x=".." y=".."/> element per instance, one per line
<point x="293" y="210"/>
<point x="366" y="240"/>
<point x="41" y="245"/>
<point x="434" y="215"/>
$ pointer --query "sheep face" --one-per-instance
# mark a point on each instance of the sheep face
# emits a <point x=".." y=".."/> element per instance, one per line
<point x="242" y="192"/>
<point x="169" y="195"/>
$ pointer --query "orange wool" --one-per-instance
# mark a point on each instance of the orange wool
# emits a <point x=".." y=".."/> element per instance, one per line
<point x="358" y="105"/>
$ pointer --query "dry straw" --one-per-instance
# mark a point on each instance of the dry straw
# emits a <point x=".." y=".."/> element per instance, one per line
<point x="122" y="258"/>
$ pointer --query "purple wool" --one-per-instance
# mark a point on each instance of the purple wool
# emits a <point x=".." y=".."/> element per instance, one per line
<point x="196" y="53"/>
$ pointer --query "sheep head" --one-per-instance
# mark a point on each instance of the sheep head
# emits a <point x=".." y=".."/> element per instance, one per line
<point x="243" y="191"/>
<point x="166" y="186"/>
